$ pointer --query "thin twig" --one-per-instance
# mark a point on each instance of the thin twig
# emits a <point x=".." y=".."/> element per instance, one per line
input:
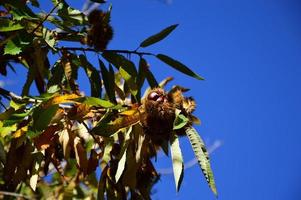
<point x="5" y="193"/>
<point x="114" y="51"/>
<point x="93" y="136"/>
<point x="40" y="24"/>
<point x="18" y="98"/>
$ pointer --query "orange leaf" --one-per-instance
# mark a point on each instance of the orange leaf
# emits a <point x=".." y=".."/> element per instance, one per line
<point x="47" y="138"/>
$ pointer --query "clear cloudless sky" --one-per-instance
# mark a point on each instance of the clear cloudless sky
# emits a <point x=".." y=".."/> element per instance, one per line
<point x="250" y="55"/>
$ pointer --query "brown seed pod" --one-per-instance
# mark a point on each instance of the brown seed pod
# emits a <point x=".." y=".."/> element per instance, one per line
<point x="100" y="32"/>
<point x="160" y="115"/>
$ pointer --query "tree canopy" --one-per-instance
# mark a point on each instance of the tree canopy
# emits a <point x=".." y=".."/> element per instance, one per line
<point x="55" y="142"/>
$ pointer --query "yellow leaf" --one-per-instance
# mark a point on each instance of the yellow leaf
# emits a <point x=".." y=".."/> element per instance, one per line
<point x="67" y="98"/>
<point x="129" y="112"/>
<point x="20" y="132"/>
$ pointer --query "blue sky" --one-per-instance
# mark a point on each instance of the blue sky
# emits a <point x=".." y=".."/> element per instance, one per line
<point x="250" y="55"/>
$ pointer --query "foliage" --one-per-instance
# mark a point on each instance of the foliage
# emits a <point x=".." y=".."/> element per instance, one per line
<point x="55" y="143"/>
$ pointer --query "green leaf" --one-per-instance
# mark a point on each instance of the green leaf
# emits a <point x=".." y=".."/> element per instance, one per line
<point x="177" y="160"/>
<point x="158" y="37"/>
<point x="106" y="129"/>
<point x="93" y="101"/>
<point x="70" y="16"/>
<point x="178" y="66"/>
<point x="108" y="80"/>
<point x="15" y="45"/>
<point x="12" y="48"/>
<point x="180" y="120"/>
<point x="93" y="75"/>
<point x="122" y="161"/>
<point x="48" y="36"/>
<point x="57" y="74"/>
<point x="140" y="77"/>
<point x="20" y="10"/>
<point x="148" y="74"/>
<point x="9" y="25"/>
<point x="42" y="117"/>
<point x="28" y="82"/>
<point x="201" y="154"/>
<point x="130" y="80"/>
<point x="126" y="68"/>
<point x="106" y="154"/>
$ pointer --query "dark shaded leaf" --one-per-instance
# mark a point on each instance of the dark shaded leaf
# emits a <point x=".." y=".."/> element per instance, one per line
<point x="148" y="74"/>
<point x="108" y="80"/>
<point x="159" y="36"/>
<point x="93" y="75"/>
<point x="178" y="66"/>
<point x="42" y="117"/>
<point x="19" y="10"/>
<point x="28" y="82"/>
<point x="126" y="68"/>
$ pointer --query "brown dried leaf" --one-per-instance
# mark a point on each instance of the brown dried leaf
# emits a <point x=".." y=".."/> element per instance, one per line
<point x="80" y="155"/>
<point x="47" y="138"/>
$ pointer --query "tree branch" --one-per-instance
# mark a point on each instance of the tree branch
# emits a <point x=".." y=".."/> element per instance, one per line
<point x="5" y="193"/>
<point x="15" y="97"/>
<point x="40" y="24"/>
<point x="114" y="51"/>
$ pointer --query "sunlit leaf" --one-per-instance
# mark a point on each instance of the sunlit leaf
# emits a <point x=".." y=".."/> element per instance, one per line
<point x="106" y="154"/>
<point x="177" y="160"/>
<point x="12" y="48"/>
<point x="201" y="154"/>
<point x="9" y="25"/>
<point x="33" y="181"/>
<point x="48" y="36"/>
<point x="67" y="98"/>
<point x="20" y="132"/>
<point x="180" y="120"/>
<point x="80" y="155"/>
<point x="126" y="68"/>
<point x="159" y="36"/>
<point x="93" y="101"/>
<point x="178" y="66"/>
<point x="122" y="161"/>
<point x="107" y="129"/>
